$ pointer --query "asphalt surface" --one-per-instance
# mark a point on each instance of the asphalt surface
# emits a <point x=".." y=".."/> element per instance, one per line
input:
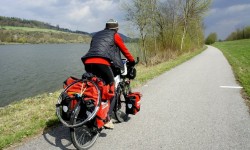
<point x="195" y="106"/>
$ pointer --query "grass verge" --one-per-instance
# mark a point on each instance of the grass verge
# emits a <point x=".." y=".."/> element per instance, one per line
<point x="238" y="55"/>
<point x="29" y="117"/>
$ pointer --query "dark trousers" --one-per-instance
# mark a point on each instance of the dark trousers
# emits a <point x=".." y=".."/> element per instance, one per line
<point x="105" y="72"/>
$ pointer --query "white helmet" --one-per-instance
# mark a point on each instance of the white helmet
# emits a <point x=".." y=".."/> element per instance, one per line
<point x="111" y="24"/>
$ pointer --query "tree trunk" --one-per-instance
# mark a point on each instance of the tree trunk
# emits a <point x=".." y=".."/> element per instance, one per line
<point x="183" y="36"/>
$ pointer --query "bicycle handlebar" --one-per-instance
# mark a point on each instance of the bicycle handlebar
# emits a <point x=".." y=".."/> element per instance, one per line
<point x="137" y="60"/>
<point x="130" y="65"/>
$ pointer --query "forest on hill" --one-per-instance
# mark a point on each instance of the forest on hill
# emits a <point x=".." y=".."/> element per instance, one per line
<point x="16" y="30"/>
<point x="18" y="22"/>
<point x="238" y="34"/>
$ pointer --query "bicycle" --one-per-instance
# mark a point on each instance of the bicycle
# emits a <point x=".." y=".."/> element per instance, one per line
<point x="81" y="119"/>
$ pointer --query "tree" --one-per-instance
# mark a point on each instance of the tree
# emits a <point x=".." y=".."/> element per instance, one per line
<point x="138" y="13"/>
<point x="167" y="28"/>
<point x="193" y="10"/>
<point x="243" y="33"/>
<point x="212" y="38"/>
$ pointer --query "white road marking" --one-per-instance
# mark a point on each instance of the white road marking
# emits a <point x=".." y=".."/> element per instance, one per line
<point x="232" y="87"/>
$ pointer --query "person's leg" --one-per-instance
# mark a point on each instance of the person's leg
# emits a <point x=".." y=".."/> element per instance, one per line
<point x="102" y="71"/>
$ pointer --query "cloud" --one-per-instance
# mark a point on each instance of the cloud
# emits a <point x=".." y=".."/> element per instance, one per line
<point x="85" y="15"/>
<point x="228" y="22"/>
<point x="225" y="20"/>
<point x="237" y="8"/>
<point x="91" y="15"/>
<point x="227" y="3"/>
<point x="80" y="13"/>
<point x="33" y="4"/>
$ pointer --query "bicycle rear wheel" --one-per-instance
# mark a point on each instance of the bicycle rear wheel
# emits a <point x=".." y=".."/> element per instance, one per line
<point x="83" y="137"/>
<point x="86" y="96"/>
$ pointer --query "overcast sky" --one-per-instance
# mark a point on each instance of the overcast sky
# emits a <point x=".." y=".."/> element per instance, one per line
<point x="225" y="16"/>
<point x="90" y="15"/>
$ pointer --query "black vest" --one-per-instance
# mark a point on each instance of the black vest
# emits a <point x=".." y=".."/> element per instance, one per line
<point x="103" y="45"/>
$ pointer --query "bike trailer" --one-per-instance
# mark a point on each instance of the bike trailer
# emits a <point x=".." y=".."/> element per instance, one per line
<point x="133" y="103"/>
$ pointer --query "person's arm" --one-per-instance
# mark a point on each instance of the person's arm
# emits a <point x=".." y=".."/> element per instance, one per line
<point x="123" y="48"/>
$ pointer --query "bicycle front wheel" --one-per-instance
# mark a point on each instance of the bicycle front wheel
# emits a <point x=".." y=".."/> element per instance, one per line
<point x="120" y="106"/>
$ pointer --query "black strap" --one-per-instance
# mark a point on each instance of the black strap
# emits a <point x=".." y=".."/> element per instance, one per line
<point x="87" y="75"/>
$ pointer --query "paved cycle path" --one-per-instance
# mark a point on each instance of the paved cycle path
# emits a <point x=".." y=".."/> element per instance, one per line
<point x="196" y="106"/>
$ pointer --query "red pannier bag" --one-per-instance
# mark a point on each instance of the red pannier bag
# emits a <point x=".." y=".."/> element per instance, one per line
<point x="69" y="93"/>
<point x="107" y="93"/>
<point x="86" y="88"/>
<point x="68" y="97"/>
<point x="102" y="114"/>
<point x="133" y="103"/>
<point x="91" y="93"/>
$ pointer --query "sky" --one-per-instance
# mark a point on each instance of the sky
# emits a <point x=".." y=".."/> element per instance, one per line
<point x="224" y="16"/>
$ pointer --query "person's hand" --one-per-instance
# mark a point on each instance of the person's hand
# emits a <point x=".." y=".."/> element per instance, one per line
<point x="131" y="63"/>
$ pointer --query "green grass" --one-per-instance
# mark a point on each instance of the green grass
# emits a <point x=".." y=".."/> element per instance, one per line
<point x="238" y="55"/>
<point x="28" y="29"/>
<point x="26" y="118"/>
<point x="31" y="116"/>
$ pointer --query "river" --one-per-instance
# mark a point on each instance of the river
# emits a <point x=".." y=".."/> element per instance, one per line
<point x="28" y="70"/>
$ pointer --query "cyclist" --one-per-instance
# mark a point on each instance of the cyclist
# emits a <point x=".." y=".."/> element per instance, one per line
<point x="104" y="58"/>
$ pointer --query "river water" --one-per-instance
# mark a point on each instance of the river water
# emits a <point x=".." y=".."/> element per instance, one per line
<point x="29" y="70"/>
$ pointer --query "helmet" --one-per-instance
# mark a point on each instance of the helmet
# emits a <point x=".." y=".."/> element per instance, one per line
<point x="111" y="24"/>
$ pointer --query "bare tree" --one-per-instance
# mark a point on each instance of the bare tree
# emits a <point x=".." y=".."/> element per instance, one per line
<point x="192" y="10"/>
<point x="138" y="13"/>
<point x="167" y="25"/>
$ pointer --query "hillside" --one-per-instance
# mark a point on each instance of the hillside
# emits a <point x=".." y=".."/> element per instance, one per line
<point x="10" y="34"/>
<point x="16" y="30"/>
<point x="18" y="22"/>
